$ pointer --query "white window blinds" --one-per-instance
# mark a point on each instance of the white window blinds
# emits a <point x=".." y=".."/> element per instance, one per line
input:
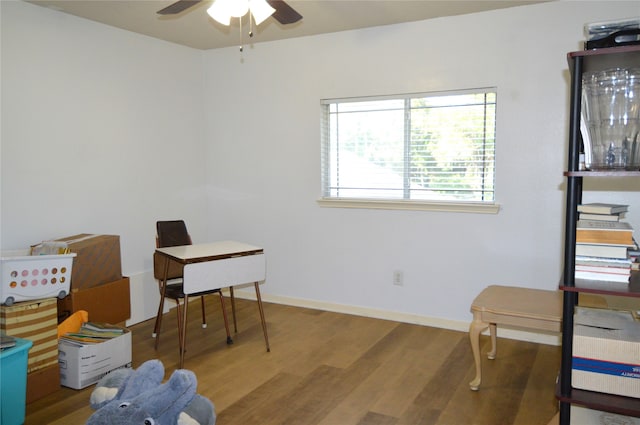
<point x="436" y="147"/>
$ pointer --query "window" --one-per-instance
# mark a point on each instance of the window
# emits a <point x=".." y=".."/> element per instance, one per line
<point x="419" y="148"/>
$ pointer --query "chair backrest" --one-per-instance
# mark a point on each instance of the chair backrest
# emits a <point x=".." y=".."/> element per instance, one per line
<point x="169" y="233"/>
<point x="172" y="233"/>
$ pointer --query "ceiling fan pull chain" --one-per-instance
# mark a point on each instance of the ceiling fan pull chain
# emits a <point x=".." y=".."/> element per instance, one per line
<point x="241" y="47"/>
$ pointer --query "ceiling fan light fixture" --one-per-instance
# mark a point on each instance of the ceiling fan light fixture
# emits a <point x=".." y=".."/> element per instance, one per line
<point x="260" y="10"/>
<point x="219" y="11"/>
<point x="223" y="10"/>
<point x="237" y="8"/>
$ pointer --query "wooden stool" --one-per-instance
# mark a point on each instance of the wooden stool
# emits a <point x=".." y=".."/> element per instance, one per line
<point x="511" y="306"/>
<point x="535" y="309"/>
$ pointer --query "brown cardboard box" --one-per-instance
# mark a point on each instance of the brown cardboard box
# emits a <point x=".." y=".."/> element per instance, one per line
<point x="36" y="321"/>
<point x="97" y="261"/>
<point x="109" y="302"/>
<point x="43" y="382"/>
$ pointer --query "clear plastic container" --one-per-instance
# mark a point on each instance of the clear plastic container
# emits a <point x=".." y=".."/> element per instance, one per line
<point x="611" y="111"/>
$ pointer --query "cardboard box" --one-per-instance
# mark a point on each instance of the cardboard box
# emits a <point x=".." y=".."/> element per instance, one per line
<point x="606" y="352"/>
<point x="36" y="321"/>
<point x="109" y="303"/>
<point x="82" y="365"/>
<point x="97" y="262"/>
<point x="43" y="382"/>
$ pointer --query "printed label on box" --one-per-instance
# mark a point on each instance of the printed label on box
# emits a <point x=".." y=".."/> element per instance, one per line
<point x="82" y="365"/>
<point x="609" y="368"/>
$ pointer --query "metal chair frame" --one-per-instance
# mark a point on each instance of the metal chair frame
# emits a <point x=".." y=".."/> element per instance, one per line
<point x="174" y="290"/>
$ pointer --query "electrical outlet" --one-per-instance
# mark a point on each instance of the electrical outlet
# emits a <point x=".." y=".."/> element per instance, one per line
<point x="397" y="277"/>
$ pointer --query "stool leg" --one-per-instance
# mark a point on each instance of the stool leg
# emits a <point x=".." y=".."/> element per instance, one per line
<point x="476" y="327"/>
<point x="494" y="342"/>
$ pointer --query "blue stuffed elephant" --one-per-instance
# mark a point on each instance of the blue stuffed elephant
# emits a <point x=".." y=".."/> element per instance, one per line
<point x="131" y="397"/>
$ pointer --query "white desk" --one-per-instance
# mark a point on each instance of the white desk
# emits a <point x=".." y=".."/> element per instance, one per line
<point x="216" y="265"/>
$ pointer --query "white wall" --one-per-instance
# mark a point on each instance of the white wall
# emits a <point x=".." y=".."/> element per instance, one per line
<point x="102" y="132"/>
<point x="265" y="159"/>
<point x="99" y="124"/>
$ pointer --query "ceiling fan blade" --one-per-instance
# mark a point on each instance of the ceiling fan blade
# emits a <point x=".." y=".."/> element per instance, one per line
<point x="284" y="13"/>
<point x="178" y="7"/>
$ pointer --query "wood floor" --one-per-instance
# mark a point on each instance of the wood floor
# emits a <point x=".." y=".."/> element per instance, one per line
<point x="333" y="369"/>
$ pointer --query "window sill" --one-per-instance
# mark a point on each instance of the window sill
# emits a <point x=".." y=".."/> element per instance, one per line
<point x="467" y="207"/>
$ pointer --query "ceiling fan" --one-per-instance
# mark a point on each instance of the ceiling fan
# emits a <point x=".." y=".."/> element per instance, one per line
<point x="284" y="13"/>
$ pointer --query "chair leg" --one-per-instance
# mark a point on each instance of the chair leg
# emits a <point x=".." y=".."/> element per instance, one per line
<point x="233" y="310"/>
<point x="224" y="316"/>
<point x="204" y="317"/>
<point x="158" y="325"/>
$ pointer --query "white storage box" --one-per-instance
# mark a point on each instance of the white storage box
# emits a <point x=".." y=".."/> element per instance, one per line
<point x="82" y="365"/>
<point x="583" y="416"/>
<point x="31" y="277"/>
<point x="606" y="352"/>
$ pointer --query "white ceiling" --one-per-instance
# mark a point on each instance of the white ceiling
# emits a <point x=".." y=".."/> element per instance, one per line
<point x="194" y="28"/>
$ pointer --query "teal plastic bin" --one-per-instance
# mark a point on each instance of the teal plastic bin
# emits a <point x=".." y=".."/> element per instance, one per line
<point x="13" y="382"/>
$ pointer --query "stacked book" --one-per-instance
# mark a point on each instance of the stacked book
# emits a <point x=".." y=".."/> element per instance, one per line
<point x="603" y="241"/>
<point x="634" y="255"/>
<point x="93" y="332"/>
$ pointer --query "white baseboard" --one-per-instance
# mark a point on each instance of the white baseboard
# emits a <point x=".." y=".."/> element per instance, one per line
<point x="144" y="290"/>
<point x="510" y="333"/>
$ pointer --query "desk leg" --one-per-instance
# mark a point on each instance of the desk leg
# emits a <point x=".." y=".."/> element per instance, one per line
<point x="163" y="289"/>
<point x="476" y="327"/>
<point x="183" y="328"/>
<point x="179" y="321"/>
<point x="233" y="309"/>
<point x="224" y="316"/>
<point x="264" y="323"/>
